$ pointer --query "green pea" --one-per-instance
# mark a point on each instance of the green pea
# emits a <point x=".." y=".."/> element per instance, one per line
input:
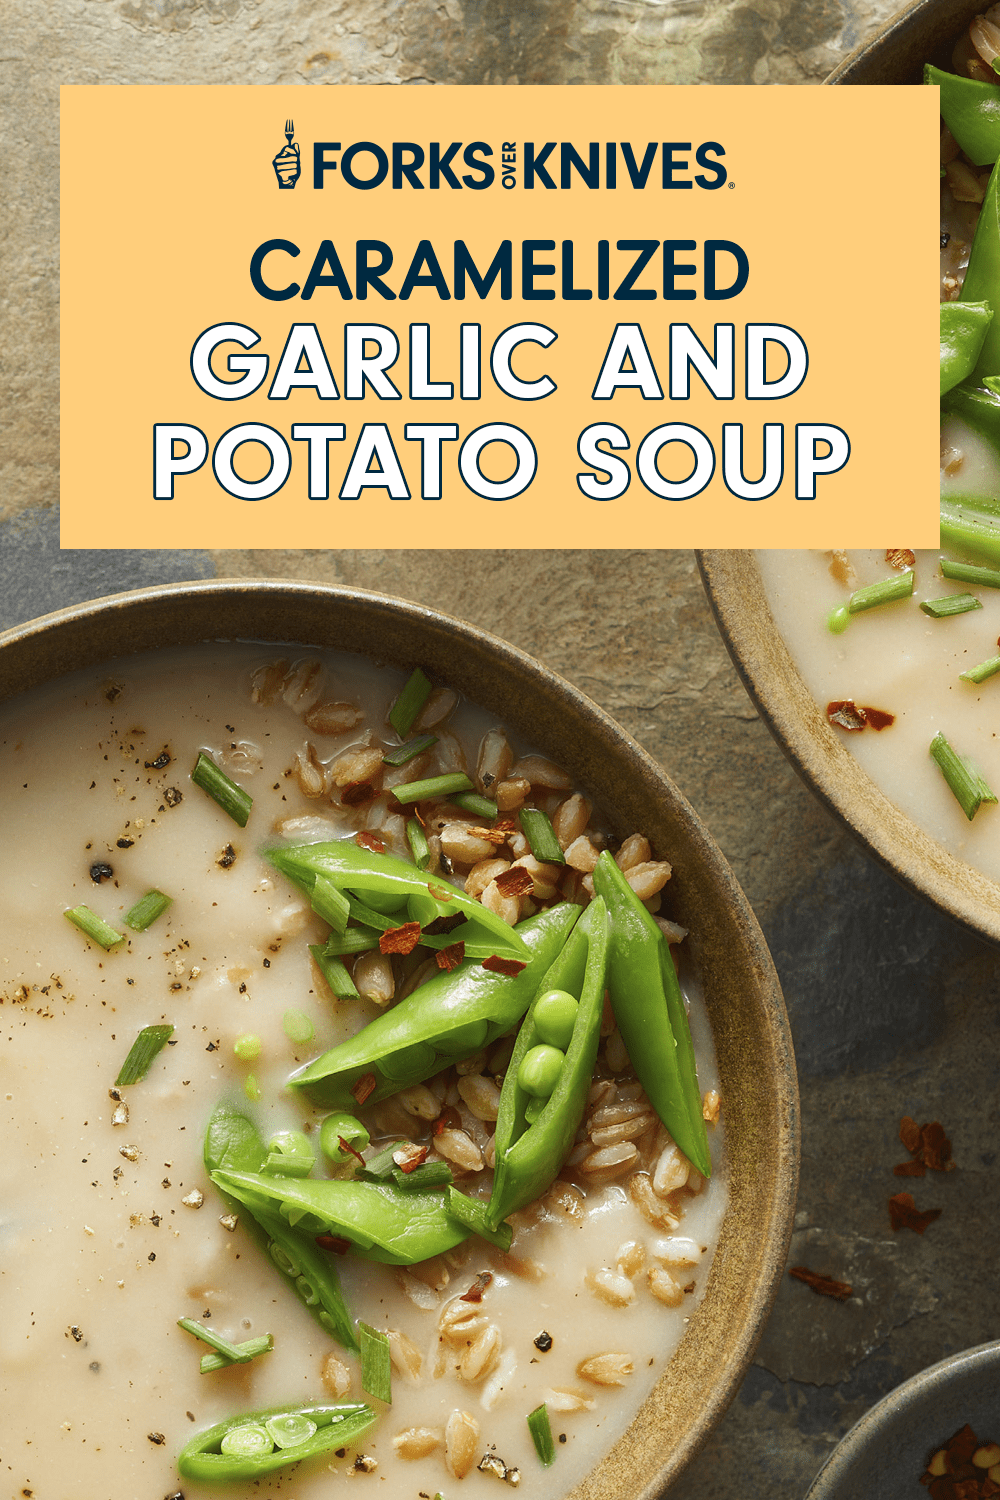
<point x="290" y="1430"/>
<point x="463" y="1041"/>
<point x="555" y="1016"/>
<point x="290" y="1143"/>
<point x="250" y="1441"/>
<point x="247" y="1047"/>
<point x="408" y="1064"/>
<point x="533" y="1109"/>
<point x="342" y="1125"/>
<point x="540" y="1069"/>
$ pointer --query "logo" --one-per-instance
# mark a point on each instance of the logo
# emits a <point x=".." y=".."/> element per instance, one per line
<point x="287" y="165"/>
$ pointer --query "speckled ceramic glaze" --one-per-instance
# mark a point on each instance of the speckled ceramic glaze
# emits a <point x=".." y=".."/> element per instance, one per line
<point x="760" y="1099"/>
<point x="733" y="583"/>
<point x="883" y="1455"/>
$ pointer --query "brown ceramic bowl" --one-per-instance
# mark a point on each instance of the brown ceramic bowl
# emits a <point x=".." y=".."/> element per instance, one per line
<point x="741" y="988"/>
<point x="918" y="34"/>
<point x="733" y="583"/>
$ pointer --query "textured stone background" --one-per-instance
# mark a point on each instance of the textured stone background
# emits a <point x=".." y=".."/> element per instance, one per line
<point x="894" y="1009"/>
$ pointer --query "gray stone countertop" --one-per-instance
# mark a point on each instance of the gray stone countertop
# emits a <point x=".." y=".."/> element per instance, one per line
<point x="894" y="1009"/>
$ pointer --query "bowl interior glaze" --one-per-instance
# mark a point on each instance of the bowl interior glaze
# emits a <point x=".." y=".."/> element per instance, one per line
<point x="918" y="34"/>
<point x="744" y="1000"/>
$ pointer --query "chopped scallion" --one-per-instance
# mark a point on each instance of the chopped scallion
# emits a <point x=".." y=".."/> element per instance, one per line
<point x="405" y="710"/>
<point x="94" y="927"/>
<point x="150" y="1041"/>
<point x="403" y="753"/>
<point x="330" y="903"/>
<point x="986" y="578"/>
<point x="541" y="836"/>
<point x="145" y="912"/>
<point x="434" y="786"/>
<point x="984" y="670"/>
<point x="430" y="1174"/>
<point x="252" y="1088"/>
<point x="419" y="847"/>
<point x="473" y="803"/>
<point x="541" y="1434"/>
<point x="354" y="940"/>
<point x="963" y="777"/>
<point x="376" y="1370"/>
<point x="250" y="1348"/>
<point x="886" y="591"/>
<point x="472" y="1213"/>
<point x="342" y="986"/>
<point x="247" y="1047"/>
<point x="369" y="917"/>
<point x="232" y="1352"/>
<point x="230" y="797"/>
<point x="297" y="1026"/>
<point x="951" y="604"/>
<point x="382" y="1164"/>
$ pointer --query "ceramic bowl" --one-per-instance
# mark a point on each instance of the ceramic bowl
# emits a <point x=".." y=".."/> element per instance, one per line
<point x="918" y="34"/>
<point x="885" y="1453"/>
<point x="743" y="996"/>
<point x="733" y="583"/>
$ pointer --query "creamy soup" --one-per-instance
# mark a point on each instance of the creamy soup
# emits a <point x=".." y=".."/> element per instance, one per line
<point x="111" y="1230"/>
<point x="897" y="659"/>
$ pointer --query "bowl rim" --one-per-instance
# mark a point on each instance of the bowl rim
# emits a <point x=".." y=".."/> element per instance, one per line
<point x="735" y="591"/>
<point x="45" y="632"/>
<point x="880" y="1419"/>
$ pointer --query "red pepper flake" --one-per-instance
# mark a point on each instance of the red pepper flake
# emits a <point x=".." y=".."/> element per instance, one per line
<point x="333" y="1242"/>
<point x="357" y="792"/>
<point x="410" y="1156"/>
<point x="478" y="1287"/>
<point x="824" y="1285"/>
<point x="346" y="1146"/>
<point x="366" y="840"/>
<point x="900" y="558"/>
<point x="515" y="882"/>
<point x="440" y="893"/>
<point x="363" y="1087"/>
<point x="448" y="1119"/>
<point x="400" y="939"/>
<point x="904" y="1214"/>
<point x="508" y="966"/>
<point x="927" y="1144"/>
<point x="449" y="958"/>
<point x="909" y="1134"/>
<point x="847" y="714"/>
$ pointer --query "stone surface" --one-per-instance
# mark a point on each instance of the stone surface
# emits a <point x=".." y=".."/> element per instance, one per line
<point x="894" y="1009"/>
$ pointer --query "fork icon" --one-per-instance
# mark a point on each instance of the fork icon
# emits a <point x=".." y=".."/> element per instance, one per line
<point x="287" y="165"/>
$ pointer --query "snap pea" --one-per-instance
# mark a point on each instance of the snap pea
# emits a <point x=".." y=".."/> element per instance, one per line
<point x="383" y="1222"/>
<point x="531" y="1146"/>
<point x="233" y="1143"/>
<point x="449" y="1017"/>
<point x="964" y="326"/>
<point x="983" y="276"/>
<point x="649" y="1009"/>
<point x="319" y="1427"/>
<point x="349" y="867"/>
<point x="971" y="111"/>
<point x="338" y="1131"/>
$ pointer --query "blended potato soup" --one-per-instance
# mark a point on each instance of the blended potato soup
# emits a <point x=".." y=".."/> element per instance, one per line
<point x="111" y="1227"/>
<point x="897" y="659"/>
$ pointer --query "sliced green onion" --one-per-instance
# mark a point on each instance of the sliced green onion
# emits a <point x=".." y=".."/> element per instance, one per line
<point x="430" y="1174"/>
<point x="297" y="1026"/>
<point x="330" y="903"/>
<point x="541" y="1434"/>
<point x="382" y="1164"/>
<point x="290" y="1429"/>
<point x="419" y="847"/>
<point x="473" y="803"/>
<point x="472" y="1213"/>
<point x="251" y="1348"/>
<point x="412" y="748"/>
<point x="541" y="836"/>
<point x="150" y="1041"/>
<point x="251" y="1441"/>
<point x="368" y="916"/>
<point x="94" y="927"/>
<point x="230" y="797"/>
<point x="376" y="1369"/>
<point x="234" y="1353"/>
<point x="986" y="578"/>
<point x="252" y="1088"/>
<point x="434" y="786"/>
<point x="354" y="940"/>
<point x="407" y="706"/>
<point x="963" y="777"/>
<point x="341" y="985"/>
<point x="247" y="1047"/>
<point x="145" y="912"/>
<point x="984" y="670"/>
<point x="951" y="604"/>
<point x="886" y="591"/>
